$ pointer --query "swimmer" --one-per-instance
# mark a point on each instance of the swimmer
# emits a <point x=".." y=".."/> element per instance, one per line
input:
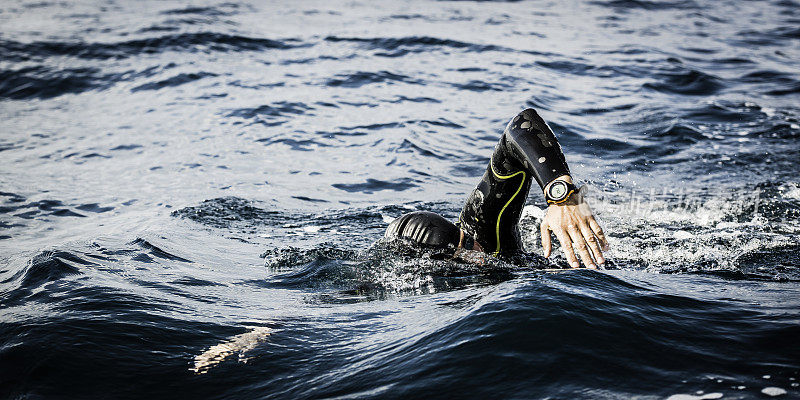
<point x="527" y="150"/>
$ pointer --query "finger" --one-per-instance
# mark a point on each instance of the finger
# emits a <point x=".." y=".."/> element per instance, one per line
<point x="566" y="245"/>
<point x="593" y="242"/>
<point x="599" y="232"/>
<point x="547" y="245"/>
<point x="580" y="245"/>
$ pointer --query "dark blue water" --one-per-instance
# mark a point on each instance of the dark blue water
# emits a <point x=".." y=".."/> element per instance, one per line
<point x="190" y="194"/>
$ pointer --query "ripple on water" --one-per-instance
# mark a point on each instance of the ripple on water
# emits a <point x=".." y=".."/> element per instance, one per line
<point x="362" y="78"/>
<point x="686" y="82"/>
<point x="374" y="185"/>
<point x="171" y="103"/>
<point x="417" y="43"/>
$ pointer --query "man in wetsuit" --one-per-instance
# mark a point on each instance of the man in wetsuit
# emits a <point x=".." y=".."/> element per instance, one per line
<point x="527" y="150"/>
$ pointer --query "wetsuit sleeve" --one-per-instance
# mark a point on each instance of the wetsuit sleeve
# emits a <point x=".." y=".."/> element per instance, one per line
<point x="533" y="143"/>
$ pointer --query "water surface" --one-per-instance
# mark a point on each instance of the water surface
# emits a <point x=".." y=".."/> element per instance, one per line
<point x="190" y="194"/>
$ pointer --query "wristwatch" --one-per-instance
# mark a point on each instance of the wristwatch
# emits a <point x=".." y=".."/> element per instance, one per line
<point x="559" y="191"/>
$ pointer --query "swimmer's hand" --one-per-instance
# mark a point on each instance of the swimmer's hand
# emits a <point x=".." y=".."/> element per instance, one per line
<point x="575" y="227"/>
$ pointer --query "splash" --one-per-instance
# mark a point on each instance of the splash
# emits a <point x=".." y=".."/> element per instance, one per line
<point x="240" y="344"/>
<point x="734" y="232"/>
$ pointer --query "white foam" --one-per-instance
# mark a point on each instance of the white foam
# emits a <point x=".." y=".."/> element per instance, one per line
<point x="773" y="391"/>
<point x="661" y="232"/>
<point x="792" y="192"/>
<point x="387" y="219"/>
<point x="707" y="396"/>
<point x="664" y="231"/>
<point x="531" y="211"/>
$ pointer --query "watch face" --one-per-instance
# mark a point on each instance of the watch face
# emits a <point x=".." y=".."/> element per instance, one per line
<point x="558" y="190"/>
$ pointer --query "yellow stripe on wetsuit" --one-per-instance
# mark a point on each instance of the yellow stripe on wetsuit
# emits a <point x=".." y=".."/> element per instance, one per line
<point x="498" y="176"/>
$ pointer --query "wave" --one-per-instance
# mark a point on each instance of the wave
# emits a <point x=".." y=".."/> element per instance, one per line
<point x="481" y="86"/>
<point x="374" y="185"/>
<point x="686" y="82"/>
<point x="725" y="112"/>
<point x="386" y="267"/>
<point x="238" y="213"/>
<point x="40" y="208"/>
<point x="679" y="134"/>
<point x="24" y="283"/>
<point x="208" y="41"/>
<point x="157" y="251"/>
<point x="40" y="82"/>
<point x="44" y="83"/>
<point x="648" y="5"/>
<point x="294" y="144"/>
<point x="768" y="76"/>
<point x="372" y="127"/>
<point x="780" y="130"/>
<point x="407" y="146"/>
<point x="225" y="212"/>
<point x="50" y="266"/>
<point x="278" y="109"/>
<point x="226" y="9"/>
<point x="422" y="43"/>
<point x="362" y="78"/>
<point x="550" y="331"/>
<point x="270" y="115"/>
<point x="792" y="89"/>
<point x="770" y="37"/>
<point x="176" y="80"/>
<point x="566" y="66"/>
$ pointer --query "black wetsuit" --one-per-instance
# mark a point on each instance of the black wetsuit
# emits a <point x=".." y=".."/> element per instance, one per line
<point x="527" y="150"/>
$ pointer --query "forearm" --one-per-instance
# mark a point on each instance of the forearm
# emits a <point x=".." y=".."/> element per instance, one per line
<point x="534" y="143"/>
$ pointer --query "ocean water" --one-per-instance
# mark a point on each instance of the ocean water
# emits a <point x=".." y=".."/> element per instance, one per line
<point x="190" y="196"/>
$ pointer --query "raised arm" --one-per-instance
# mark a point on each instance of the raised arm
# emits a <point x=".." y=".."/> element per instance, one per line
<point x="568" y="215"/>
<point x="528" y="150"/>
